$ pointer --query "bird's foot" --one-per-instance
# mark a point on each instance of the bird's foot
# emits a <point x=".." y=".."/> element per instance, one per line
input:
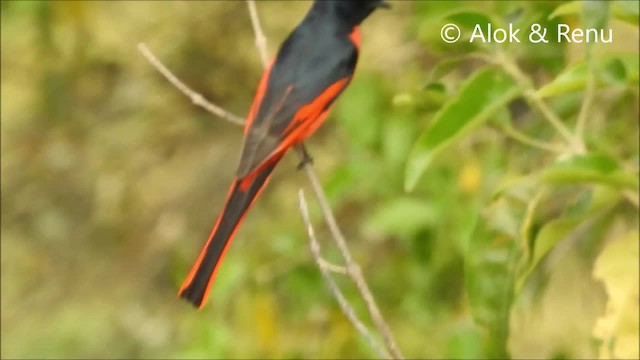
<point x="306" y="157"/>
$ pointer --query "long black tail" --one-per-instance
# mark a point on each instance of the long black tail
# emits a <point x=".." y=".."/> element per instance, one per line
<point x="242" y="194"/>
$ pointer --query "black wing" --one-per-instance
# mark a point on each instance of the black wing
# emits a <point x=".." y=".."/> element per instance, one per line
<point x="311" y="59"/>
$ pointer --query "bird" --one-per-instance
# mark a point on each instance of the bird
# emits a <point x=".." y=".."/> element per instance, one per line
<point x="312" y="67"/>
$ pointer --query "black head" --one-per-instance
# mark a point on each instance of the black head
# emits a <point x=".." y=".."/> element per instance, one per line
<point x="353" y="11"/>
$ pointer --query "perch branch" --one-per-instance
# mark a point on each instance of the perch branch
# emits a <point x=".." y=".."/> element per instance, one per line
<point x="195" y="97"/>
<point x="353" y="269"/>
<point x="261" y="40"/>
<point x="337" y="293"/>
<point x="332" y="267"/>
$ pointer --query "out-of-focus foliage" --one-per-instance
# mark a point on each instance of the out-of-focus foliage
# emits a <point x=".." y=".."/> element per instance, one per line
<point x="111" y="180"/>
<point x="617" y="328"/>
<point x="478" y="99"/>
<point x="544" y="205"/>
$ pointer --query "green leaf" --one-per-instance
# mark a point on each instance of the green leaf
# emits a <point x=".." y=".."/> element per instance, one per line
<point x="444" y="67"/>
<point x="527" y="226"/>
<point x="431" y="10"/>
<point x="572" y="79"/>
<point x="398" y="132"/>
<point x="632" y="67"/>
<point x="403" y="216"/>
<point x="627" y="11"/>
<point x="611" y="70"/>
<point x="570" y="8"/>
<point x="591" y="168"/>
<point x="550" y="235"/>
<point x="588" y="209"/>
<point x="465" y="343"/>
<point x="430" y="98"/>
<point x="615" y="72"/>
<point x="515" y="186"/>
<point x="434" y="95"/>
<point x="479" y="98"/>
<point x="489" y="278"/>
<point x="361" y="113"/>
<point x="470" y="19"/>
<point x="595" y="14"/>
<point x="464" y="19"/>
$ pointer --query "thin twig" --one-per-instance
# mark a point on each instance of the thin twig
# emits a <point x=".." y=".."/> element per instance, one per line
<point x="353" y="268"/>
<point x="332" y="267"/>
<point x="195" y="97"/>
<point x="530" y="94"/>
<point x="261" y="40"/>
<point x="589" y="94"/>
<point x="527" y="140"/>
<point x="337" y="293"/>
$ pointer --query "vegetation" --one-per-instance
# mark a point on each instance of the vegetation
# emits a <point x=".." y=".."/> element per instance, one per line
<point x="488" y="191"/>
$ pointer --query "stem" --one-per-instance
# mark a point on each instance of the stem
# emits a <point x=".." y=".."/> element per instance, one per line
<point x="527" y="140"/>
<point x="337" y="293"/>
<point x="530" y="94"/>
<point x="589" y="95"/>
<point x="261" y="40"/>
<point x="195" y="97"/>
<point x="353" y="269"/>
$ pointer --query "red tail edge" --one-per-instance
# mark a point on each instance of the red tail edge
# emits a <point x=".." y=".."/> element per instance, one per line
<point x="241" y="197"/>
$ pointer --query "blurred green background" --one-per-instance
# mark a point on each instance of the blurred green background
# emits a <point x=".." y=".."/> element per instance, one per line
<point x="111" y="180"/>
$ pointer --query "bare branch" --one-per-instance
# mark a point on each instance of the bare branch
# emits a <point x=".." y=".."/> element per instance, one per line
<point x="332" y="267"/>
<point x="261" y="40"/>
<point x="344" y="304"/>
<point x="195" y="97"/>
<point x="353" y="269"/>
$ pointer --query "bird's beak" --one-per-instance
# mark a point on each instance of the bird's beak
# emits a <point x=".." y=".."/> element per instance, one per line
<point x="384" y="5"/>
